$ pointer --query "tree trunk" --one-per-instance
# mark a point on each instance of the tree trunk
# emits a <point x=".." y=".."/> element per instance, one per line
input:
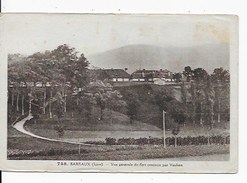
<point x="175" y="144"/>
<point x="79" y="149"/>
<point x="44" y="102"/>
<point x="194" y="114"/>
<point x="30" y="104"/>
<point x="17" y="102"/>
<point x="65" y="102"/>
<point x="50" y="103"/>
<point x="101" y="114"/>
<point x="22" y="104"/>
<point x="12" y="98"/>
<point x="218" y="117"/>
<point x="212" y="119"/>
<point x="209" y="133"/>
<point x="219" y="113"/>
<point x="193" y="99"/>
<point x="201" y="120"/>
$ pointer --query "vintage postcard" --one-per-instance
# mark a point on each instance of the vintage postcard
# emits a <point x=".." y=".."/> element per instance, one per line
<point x="119" y="93"/>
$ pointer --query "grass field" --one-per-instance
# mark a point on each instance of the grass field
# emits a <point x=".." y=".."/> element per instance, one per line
<point x="24" y="147"/>
<point x="133" y="153"/>
<point x="113" y="121"/>
<point x="76" y="131"/>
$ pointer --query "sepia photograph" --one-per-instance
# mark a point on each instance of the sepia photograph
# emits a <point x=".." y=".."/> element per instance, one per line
<point x="118" y="92"/>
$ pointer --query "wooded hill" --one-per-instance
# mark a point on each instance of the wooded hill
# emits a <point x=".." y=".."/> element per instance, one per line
<point x="204" y="99"/>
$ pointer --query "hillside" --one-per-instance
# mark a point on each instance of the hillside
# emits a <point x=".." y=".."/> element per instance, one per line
<point x="154" y="57"/>
<point x="146" y="95"/>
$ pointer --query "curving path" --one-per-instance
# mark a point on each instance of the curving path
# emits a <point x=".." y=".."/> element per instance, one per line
<point x="20" y="127"/>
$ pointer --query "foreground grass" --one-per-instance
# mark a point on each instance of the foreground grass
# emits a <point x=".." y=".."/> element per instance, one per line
<point x="25" y="147"/>
<point x="151" y="153"/>
<point x="62" y="151"/>
<point x="28" y="148"/>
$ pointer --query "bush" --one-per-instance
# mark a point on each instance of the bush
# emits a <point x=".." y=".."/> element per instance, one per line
<point x="110" y="141"/>
<point x="156" y="141"/>
<point x="142" y="141"/>
<point x="126" y="141"/>
<point x="170" y="141"/>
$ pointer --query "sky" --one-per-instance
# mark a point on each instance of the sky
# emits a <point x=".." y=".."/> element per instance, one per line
<point x="30" y="33"/>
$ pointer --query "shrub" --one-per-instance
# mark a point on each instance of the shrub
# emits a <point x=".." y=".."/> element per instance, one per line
<point x="126" y="141"/>
<point x="110" y="141"/>
<point x="142" y="141"/>
<point x="156" y="141"/>
<point x="170" y="141"/>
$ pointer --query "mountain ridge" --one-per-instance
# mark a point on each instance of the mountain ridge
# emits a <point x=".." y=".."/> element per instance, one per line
<point x="143" y="56"/>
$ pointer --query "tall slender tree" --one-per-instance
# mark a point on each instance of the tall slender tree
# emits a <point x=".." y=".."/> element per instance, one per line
<point x="193" y="101"/>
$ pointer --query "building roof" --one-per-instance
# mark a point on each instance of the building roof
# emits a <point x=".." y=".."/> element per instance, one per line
<point x="116" y="73"/>
<point x="150" y="74"/>
<point x="109" y="73"/>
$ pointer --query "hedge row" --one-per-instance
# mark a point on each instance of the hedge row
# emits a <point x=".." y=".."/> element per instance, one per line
<point x="46" y="152"/>
<point x="170" y="141"/>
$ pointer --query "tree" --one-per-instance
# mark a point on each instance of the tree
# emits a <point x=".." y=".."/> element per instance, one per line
<point x="62" y="69"/>
<point x="36" y="107"/>
<point x="85" y="105"/>
<point x="166" y="102"/>
<point x="14" y="78"/>
<point x="104" y="96"/>
<point x="42" y="64"/>
<point x="200" y="100"/>
<point x="184" y="97"/>
<point x="132" y="106"/>
<point x="179" y="118"/>
<point x="115" y="102"/>
<point x="101" y="102"/>
<point x="132" y="109"/>
<point x="209" y="106"/>
<point x="200" y="75"/>
<point x="221" y="81"/>
<point x="70" y="103"/>
<point x="193" y="102"/>
<point x="209" y="97"/>
<point x="23" y="96"/>
<point x="220" y="75"/>
<point x="188" y="73"/>
<point x="177" y="77"/>
<point x="19" y="74"/>
<point x="58" y="109"/>
<point x="162" y="99"/>
<point x="16" y="58"/>
<point x="183" y="93"/>
<point x="74" y="68"/>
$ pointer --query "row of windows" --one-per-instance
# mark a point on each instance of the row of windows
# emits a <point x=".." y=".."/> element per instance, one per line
<point x="139" y="79"/>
